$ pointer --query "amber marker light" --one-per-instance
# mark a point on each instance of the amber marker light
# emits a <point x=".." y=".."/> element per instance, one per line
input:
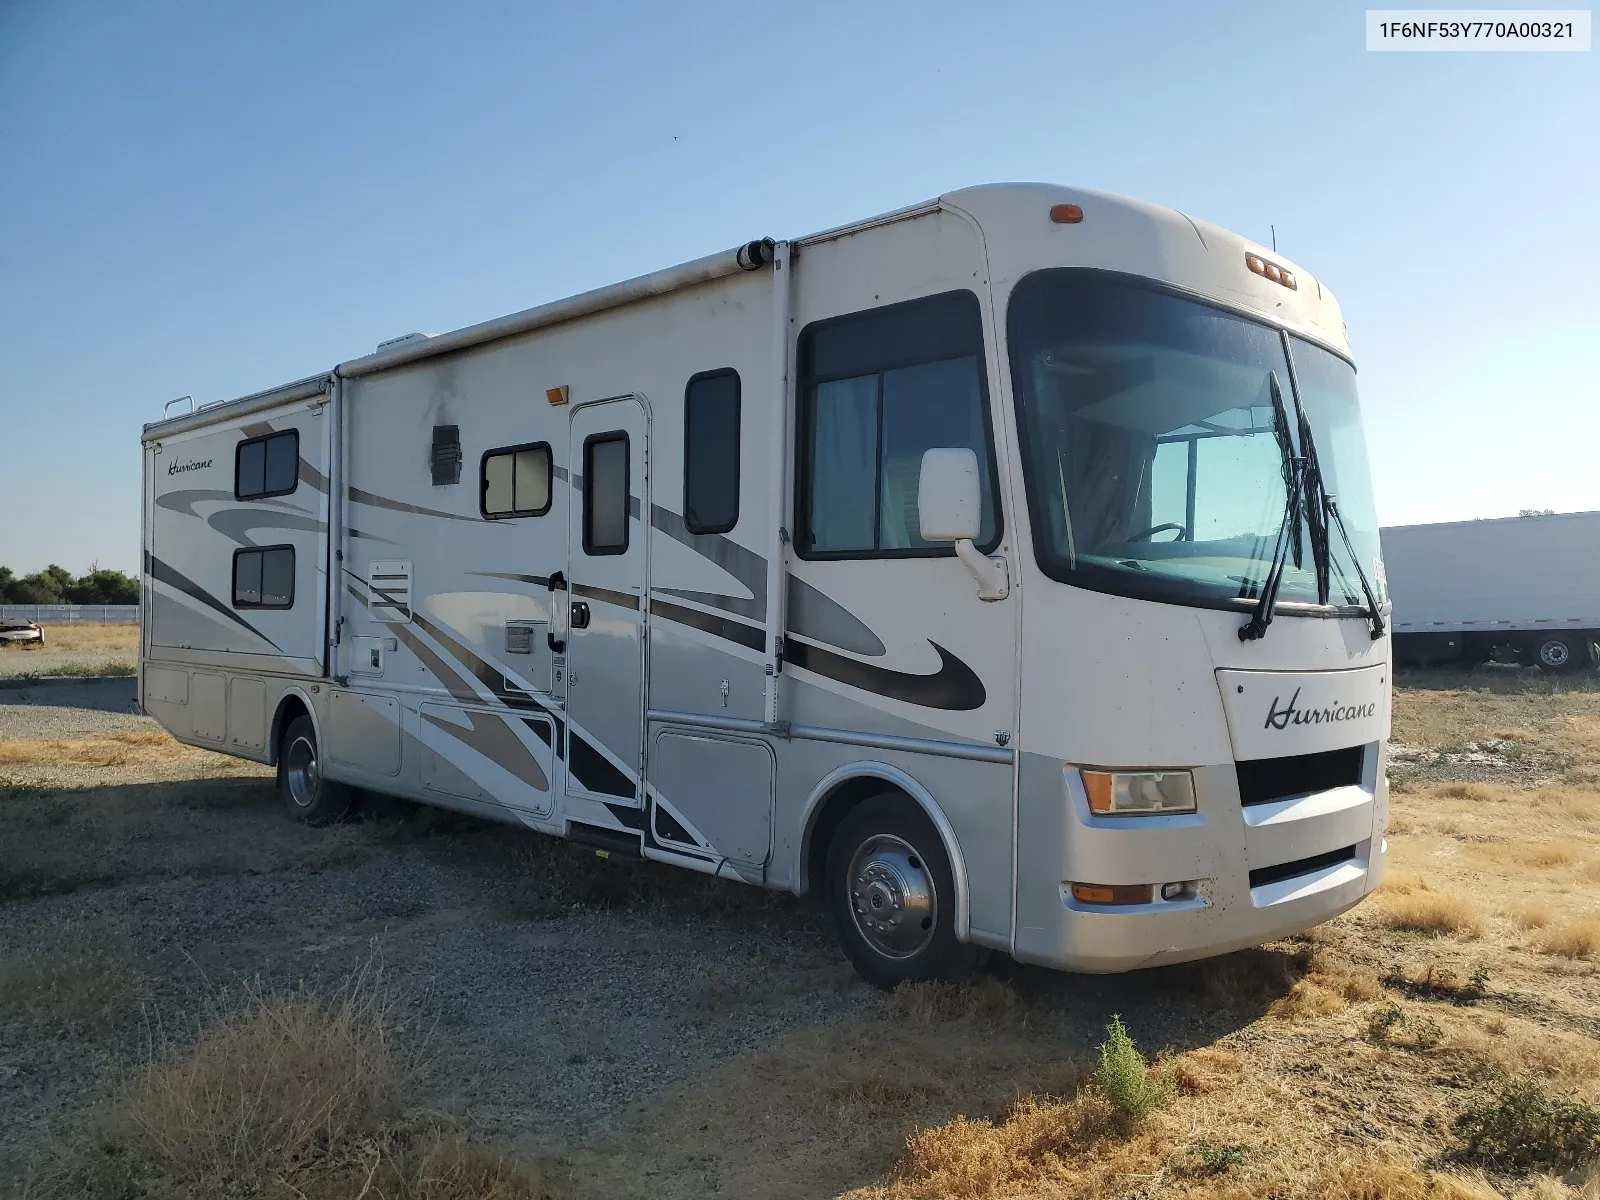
<point x="1066" y="214"/>
<point x="556" y="395"/>
<point x="1254" y="263"/>
<point x="1112" y="893"/>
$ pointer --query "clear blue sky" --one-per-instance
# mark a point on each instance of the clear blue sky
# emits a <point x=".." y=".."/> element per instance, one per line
<point x="215" y="198"/>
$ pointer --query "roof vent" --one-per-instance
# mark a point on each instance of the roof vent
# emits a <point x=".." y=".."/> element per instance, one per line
<point x="446" y="458"/>
<point x="403" y="339"/>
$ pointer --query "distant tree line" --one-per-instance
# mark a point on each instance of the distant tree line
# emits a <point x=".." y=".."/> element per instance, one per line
<point x="57" y="585"/>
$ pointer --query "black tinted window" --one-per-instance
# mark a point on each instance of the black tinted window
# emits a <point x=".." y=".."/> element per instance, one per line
<point x="263" y="578"/>
<point x="878" y="390"/>
<point x="711" y="452"/>
<point x="267" y="466"/>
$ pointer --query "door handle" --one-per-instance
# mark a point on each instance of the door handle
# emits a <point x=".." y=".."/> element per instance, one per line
<point x="557" y="581"/>
<point x="580" y="615"/>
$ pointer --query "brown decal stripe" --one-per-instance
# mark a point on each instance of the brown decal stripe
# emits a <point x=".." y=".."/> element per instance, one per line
<point x="734" y="631"/>
<point x="955" y="686"/>
<point x="173" y="578"/>
<point x="376" y="501"/>
<point x="536" y="580"/>
<point x="236" y="524"/>
<point x="455" y="683"/>
<point x="606" y="596"/>
<point x="495" y="740"/>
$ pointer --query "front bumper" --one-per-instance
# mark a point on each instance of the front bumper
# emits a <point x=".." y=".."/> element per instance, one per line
<point x="1218" y="847"/>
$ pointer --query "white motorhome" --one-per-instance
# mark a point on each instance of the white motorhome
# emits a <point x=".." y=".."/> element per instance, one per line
<point x="1520" y="588"/>
<point x="928" y="565"/>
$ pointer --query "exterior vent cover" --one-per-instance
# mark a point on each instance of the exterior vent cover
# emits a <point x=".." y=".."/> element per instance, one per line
<point x="403" y="339"/>
<point x="446" y="454"/>
<point x="390" y="585"/>
<point x="519" y="637"/>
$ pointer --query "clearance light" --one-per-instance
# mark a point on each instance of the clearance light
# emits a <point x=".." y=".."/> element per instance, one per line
<point x="1066" y="214"/>
<point x="1112" y="893"/>
<point x="1271" y="270"/>
<point x="1138" y="793"/>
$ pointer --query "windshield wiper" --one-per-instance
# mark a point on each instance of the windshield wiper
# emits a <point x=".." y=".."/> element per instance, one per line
<point x="1294" y="472"/>
<point x="1323" y="515"/>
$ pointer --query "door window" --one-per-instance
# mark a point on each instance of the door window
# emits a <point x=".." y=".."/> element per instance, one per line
<point x="878" y="389"/>
<point x="605" y="493"/>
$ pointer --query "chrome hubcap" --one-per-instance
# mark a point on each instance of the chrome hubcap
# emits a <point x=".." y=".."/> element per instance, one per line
<point x="1554" y="654"/>
<point x="300" y="769"/>
<point x="892" y="897"/>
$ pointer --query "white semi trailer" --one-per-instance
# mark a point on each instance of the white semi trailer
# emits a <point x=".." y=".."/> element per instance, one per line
<point x="1520" y="588"/>
<point x="974" y="567"/>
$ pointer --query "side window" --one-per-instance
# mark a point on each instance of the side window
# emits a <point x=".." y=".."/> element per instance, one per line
<point x="711" y="452"/>
<point x="263" y="578"/>
<point x="877" y="390"/>
<point x="516" y="481"/>
<point x="267" y="466"/>
<point x="605" y="493"/>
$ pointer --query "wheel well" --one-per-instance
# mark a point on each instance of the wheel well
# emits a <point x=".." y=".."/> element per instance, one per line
<point x="831" y="814"/>
<point x="291" y="708"/>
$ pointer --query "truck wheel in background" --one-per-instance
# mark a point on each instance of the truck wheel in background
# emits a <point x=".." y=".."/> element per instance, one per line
<point x="892" y="895"/>
<point x="307" y="795"/>
<point x="1558" y="652"/>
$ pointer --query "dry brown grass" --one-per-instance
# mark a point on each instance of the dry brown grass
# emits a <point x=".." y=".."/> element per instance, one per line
<point x="275" y="1089"/>
<point x="1411" y="903"/>
<point x="108" y="750"/>
<point x="292" y="1095"/>
<point x="1051" y="1149"/>
<point x="1578" y="937"/>
<point x="91" y="637"/>
<point x="1532" y="913"/>
<point x="1328" y="986"/>
<point x="929" y="1003"/>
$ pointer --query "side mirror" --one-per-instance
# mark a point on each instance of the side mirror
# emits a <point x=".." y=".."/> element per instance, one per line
<point x="950" y="507"/>
<point x="949" y="501"/>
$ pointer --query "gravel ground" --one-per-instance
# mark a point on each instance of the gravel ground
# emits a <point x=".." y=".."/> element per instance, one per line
<point x="71" y="710"/>
<point x="563" y="993"/>
<point x="545" y="1030"/>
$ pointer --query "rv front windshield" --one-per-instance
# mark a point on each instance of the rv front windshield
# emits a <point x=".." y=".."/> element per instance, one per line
<point x="1152" y="465"/>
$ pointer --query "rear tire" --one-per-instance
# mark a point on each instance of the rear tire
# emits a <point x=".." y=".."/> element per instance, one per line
<point x="890" y="889"/>
<point x="308" y="795"/>
<point x="1560" y="652"/>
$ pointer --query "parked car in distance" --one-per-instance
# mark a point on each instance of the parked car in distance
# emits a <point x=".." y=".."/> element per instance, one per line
<point x="25" y="632"/>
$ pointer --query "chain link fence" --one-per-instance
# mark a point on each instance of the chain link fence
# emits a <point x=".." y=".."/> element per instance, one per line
<point x="71" y="614"/>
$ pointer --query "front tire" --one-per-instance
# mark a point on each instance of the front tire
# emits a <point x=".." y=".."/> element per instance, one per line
<point x="308" y="795"/>
<point x="892" y="895"/>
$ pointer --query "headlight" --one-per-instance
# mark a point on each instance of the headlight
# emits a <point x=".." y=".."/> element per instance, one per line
<point x="1138" y="793"/>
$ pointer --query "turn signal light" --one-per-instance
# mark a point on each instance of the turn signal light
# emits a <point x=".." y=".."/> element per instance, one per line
<point x="1271" y="270"/>
<point x="1138" y="793"/>
<point x="1112" y="893"/>
<point x="1066" y="214"/>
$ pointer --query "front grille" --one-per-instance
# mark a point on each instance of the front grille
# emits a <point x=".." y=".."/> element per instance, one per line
<point x="1300" y="866"/>
<point x="1264" y="780"/>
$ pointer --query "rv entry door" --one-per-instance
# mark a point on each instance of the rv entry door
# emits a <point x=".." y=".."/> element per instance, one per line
<point x="608" y="536"/>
